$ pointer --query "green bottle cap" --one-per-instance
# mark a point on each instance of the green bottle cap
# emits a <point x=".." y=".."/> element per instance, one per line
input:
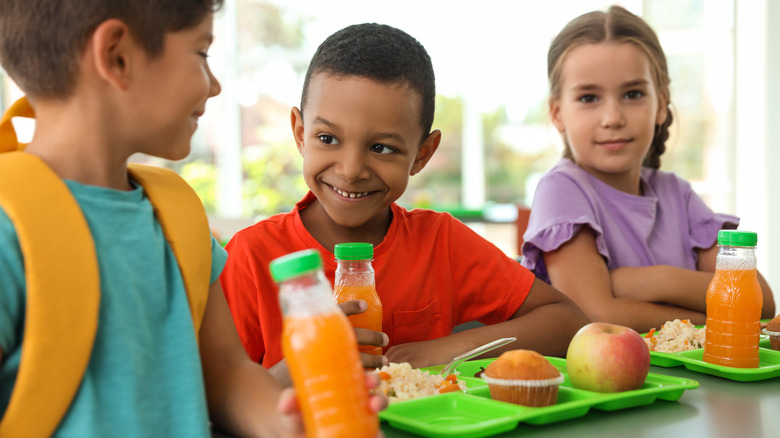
<point x="354" y="251"/>
<point x="295" y="264"/>
<point x="737" y="238"/>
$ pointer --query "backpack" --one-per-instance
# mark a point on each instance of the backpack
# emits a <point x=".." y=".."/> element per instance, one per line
<point x="63" y="299"/>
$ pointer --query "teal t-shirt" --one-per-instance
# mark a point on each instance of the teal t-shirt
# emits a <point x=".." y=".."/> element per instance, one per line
<point x="144" y="377"/>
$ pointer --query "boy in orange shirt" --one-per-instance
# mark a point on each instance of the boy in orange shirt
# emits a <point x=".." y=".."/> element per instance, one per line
<point x="107" y="80"/>
<point x="363" y="128"/>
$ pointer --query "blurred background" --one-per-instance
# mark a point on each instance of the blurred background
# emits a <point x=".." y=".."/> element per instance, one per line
<point x="490" y="63"/>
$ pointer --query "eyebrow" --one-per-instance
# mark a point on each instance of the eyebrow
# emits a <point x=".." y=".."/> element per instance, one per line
<point x="381" y="135"/>
<point x="207" y="37"/>
<point x="629" y="84"/>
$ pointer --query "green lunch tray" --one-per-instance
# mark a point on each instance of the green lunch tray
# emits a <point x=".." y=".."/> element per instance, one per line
<point x="472" y="413"/>
<point x="768" y="367"/>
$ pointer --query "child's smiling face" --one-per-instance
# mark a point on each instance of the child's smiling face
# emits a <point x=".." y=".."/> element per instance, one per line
<point x="608" y="107"/>
<point x="360" y="141"/>
<point x="172" y="92"/>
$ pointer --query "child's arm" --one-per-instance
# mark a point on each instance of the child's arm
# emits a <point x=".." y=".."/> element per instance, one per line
<point x="243" y="398"/>
<point x="678" y="286"/>
<point x="545" y="322"/>
<point x="242" y="395"/>
<point x="578" y="270"/>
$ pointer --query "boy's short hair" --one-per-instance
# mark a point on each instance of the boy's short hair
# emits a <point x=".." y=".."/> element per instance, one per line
<point x="381" y="53"/>
<point x="41" y="40"/>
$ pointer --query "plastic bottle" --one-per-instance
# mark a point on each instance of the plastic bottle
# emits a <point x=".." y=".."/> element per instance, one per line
<point x="734" y="302"/>
<point x="355" y="281"/>
<point x="321" y="351"/>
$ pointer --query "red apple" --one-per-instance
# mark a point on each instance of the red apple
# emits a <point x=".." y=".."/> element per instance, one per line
<point x="607" y="357"/>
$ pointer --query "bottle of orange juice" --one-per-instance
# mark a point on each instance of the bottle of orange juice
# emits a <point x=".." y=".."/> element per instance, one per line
<point x="320" y="347"/>
<point x="734" y="303"/>
<point x="355" y="281"/>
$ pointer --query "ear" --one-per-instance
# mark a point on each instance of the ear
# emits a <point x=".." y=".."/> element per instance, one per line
<point x="663" y="112"/>
<point x="426" y="151"/>
<point x="296" y="120"/>
<point x="113" y="50"/>
<point x="555" y="115"/>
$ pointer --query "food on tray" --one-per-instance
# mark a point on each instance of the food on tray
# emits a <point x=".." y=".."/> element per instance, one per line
<point x="675" y="336"/>
<point x="773" y="331"/>
<point x="523" y="377"/>
<point x="399" y="381"/>
<point x="607" y="357"/>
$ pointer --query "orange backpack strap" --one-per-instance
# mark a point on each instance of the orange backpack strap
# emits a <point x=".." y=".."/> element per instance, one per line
<point x="183" y="218"/>
<point x="63" y="298"/>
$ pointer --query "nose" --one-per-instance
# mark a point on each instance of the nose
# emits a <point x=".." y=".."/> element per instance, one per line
<point x="214" y="86"/>
<point x="352" y="165"/>
<point x="612" y="114"/>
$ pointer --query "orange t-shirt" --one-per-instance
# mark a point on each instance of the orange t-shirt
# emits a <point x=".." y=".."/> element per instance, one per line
<point x="432" y="273"/>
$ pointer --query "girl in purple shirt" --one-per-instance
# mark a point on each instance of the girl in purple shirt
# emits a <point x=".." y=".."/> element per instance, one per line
<point x="630" y="244"/>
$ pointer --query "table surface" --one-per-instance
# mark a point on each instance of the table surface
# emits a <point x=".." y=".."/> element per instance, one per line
<point x="717" y="408"/>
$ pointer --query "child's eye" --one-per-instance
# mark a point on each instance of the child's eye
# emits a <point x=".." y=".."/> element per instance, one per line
<point x="327" y="139"/>
<point x="588" y="98"/>
<point x="634" y="94"/>
<point x="381" y="149"/>
<point x="203" y="54"/>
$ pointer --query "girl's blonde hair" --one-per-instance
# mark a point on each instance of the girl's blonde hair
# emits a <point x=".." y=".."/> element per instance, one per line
<point x="617" y="25"/>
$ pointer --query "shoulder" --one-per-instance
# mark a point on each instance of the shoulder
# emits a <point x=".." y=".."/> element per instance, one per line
<point x="564" y="178"/>
<point x="423" y="220"/>
<point x="665" y="181"/>
<point x="565" y="191"/>
<point x="270" y="228"/>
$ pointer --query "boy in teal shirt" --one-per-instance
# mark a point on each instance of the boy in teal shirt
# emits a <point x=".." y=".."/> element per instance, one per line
<point x="108" y="79"/>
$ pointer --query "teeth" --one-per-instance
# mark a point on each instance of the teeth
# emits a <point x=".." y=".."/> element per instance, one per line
<point x="350" y="194"/>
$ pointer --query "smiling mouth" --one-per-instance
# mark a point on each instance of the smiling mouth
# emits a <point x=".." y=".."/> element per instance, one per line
<point x="347" y="194"/>
<point x="614" y="143"/>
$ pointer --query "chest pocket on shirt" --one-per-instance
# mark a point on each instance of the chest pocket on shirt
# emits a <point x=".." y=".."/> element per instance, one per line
<point x="418" y="325"/>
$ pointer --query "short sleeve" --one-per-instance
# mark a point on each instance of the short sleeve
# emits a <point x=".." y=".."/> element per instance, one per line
<point x="560" y="209"/>
<point x="218" y="259"/>
<point x="12" y="285"/>
<point x="490" y="285"/>
<point x="705" y="223"/>
<point x="240" y="286"/>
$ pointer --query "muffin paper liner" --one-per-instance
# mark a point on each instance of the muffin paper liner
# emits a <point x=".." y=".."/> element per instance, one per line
<point x="774" y="339"/>
<point x="535" y="393"/>
<point x="525" y="383"/>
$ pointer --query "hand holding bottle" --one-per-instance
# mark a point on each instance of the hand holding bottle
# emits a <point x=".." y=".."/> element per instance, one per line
<point x="366" y="337"/>
<point x="290" y="409"/>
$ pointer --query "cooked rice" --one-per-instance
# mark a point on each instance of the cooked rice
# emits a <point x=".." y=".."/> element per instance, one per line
<point x="406" y="383"/>
<point x="676" y="336"/>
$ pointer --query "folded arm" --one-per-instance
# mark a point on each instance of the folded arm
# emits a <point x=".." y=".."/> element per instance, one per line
<point x="579" y="271"/>
<point x="545" y="323"/>
<point x="681" y="287"/>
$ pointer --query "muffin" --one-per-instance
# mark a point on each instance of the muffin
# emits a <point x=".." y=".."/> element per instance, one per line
<point x="773" y="330"/>
<point x="523" y="377"/>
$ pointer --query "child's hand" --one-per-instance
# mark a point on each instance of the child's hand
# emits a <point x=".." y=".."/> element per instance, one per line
<point x="366" y="336"/>
<point x="291" y="410"/>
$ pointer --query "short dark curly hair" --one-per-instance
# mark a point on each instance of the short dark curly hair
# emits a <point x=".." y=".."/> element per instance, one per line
<point x="41" y="40"/>
<point x="381" y="53"/>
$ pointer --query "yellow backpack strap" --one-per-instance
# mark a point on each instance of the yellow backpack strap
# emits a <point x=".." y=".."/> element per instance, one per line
<point x="8" y="140"/>
<point x="186" y="228"/>
<point x="63" y="297"/>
